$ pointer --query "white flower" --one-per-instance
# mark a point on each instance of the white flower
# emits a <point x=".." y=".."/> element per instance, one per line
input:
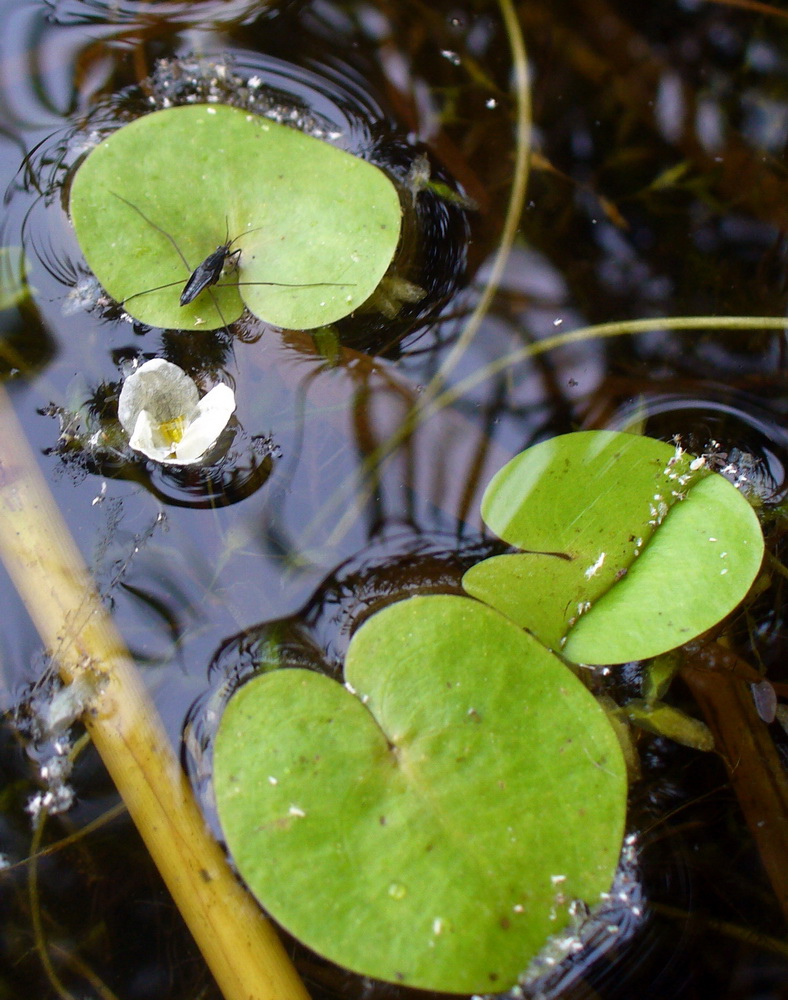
<point x="161" y="411"/>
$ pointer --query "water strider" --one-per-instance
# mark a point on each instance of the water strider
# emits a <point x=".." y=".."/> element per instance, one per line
<point x="209" y="271"/>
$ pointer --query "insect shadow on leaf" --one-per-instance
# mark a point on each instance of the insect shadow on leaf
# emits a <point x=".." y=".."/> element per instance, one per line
<point x="209" y="271"/>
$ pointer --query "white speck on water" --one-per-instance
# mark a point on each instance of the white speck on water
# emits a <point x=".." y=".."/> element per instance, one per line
<point x="102" y="494"/>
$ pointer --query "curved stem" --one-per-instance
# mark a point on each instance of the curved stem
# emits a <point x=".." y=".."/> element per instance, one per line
<point x="618" y="328"/>
<point x="427" y="408"/>
<point x="514" y="210"/>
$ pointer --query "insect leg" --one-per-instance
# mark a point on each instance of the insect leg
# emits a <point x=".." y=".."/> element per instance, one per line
<point x="149" y="290"/>
<point x="284" y="284"/>
<point x="158" y="228"/>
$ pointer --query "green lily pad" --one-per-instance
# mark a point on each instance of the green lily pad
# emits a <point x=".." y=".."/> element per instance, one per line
<point x="317" y="227"/>
<point x="634" y="547"/>
<point x="430" y="822"/>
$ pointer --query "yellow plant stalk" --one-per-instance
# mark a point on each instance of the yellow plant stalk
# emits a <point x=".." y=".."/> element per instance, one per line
<point x="241" y="948"/>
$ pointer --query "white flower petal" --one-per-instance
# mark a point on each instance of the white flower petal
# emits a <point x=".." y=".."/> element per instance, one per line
<point x="210" y="418"/>
<point x="161" y="388"/>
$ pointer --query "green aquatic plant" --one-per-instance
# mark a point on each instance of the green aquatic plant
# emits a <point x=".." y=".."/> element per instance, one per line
<point x="633" y="546"/>
<point x="307" y="230"/>
<point x="463" y="788"/>
<point x="433" y="821"/>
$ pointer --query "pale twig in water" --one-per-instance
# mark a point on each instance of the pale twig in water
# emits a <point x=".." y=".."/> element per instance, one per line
<point x="241" y="948"/>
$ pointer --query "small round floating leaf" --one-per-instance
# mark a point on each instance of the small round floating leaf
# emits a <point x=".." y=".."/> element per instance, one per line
<point x="317" y="225"/>
<point x="632" y="551"/>
<point x="430" y="823"/>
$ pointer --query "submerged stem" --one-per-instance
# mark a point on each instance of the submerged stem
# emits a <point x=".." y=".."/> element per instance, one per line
<point x="39" y="937"/>
<point x="599" y="331"/>
<point x="514" y="210"/>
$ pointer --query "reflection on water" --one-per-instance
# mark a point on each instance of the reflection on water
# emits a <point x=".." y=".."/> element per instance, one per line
<point x="657" y="190"/>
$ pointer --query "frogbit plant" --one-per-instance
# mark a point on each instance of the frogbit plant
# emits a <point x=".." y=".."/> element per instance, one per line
<point x="161" y="411"/>
<point x="435" y="821"/>
<point x="432" y="821"/>
<point x="630" y="546"/>
<point x="308" y="229"/>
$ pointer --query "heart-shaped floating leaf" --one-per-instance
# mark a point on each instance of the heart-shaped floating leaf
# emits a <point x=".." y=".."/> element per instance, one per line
<point x="430" y="823"/>
<point x="317" y="227"/>
<point x="632" y="551"/>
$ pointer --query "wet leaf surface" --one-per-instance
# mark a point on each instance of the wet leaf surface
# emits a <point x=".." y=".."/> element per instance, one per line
<point x="431" y="822"/>
<point x="316" y="227"/>
<point x="633" y="548"/>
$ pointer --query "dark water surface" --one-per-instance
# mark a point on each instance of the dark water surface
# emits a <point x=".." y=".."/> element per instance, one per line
<point x="658" y="188"/>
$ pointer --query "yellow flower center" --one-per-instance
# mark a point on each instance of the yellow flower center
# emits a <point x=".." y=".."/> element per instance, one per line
<point x="172" y="430"/>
